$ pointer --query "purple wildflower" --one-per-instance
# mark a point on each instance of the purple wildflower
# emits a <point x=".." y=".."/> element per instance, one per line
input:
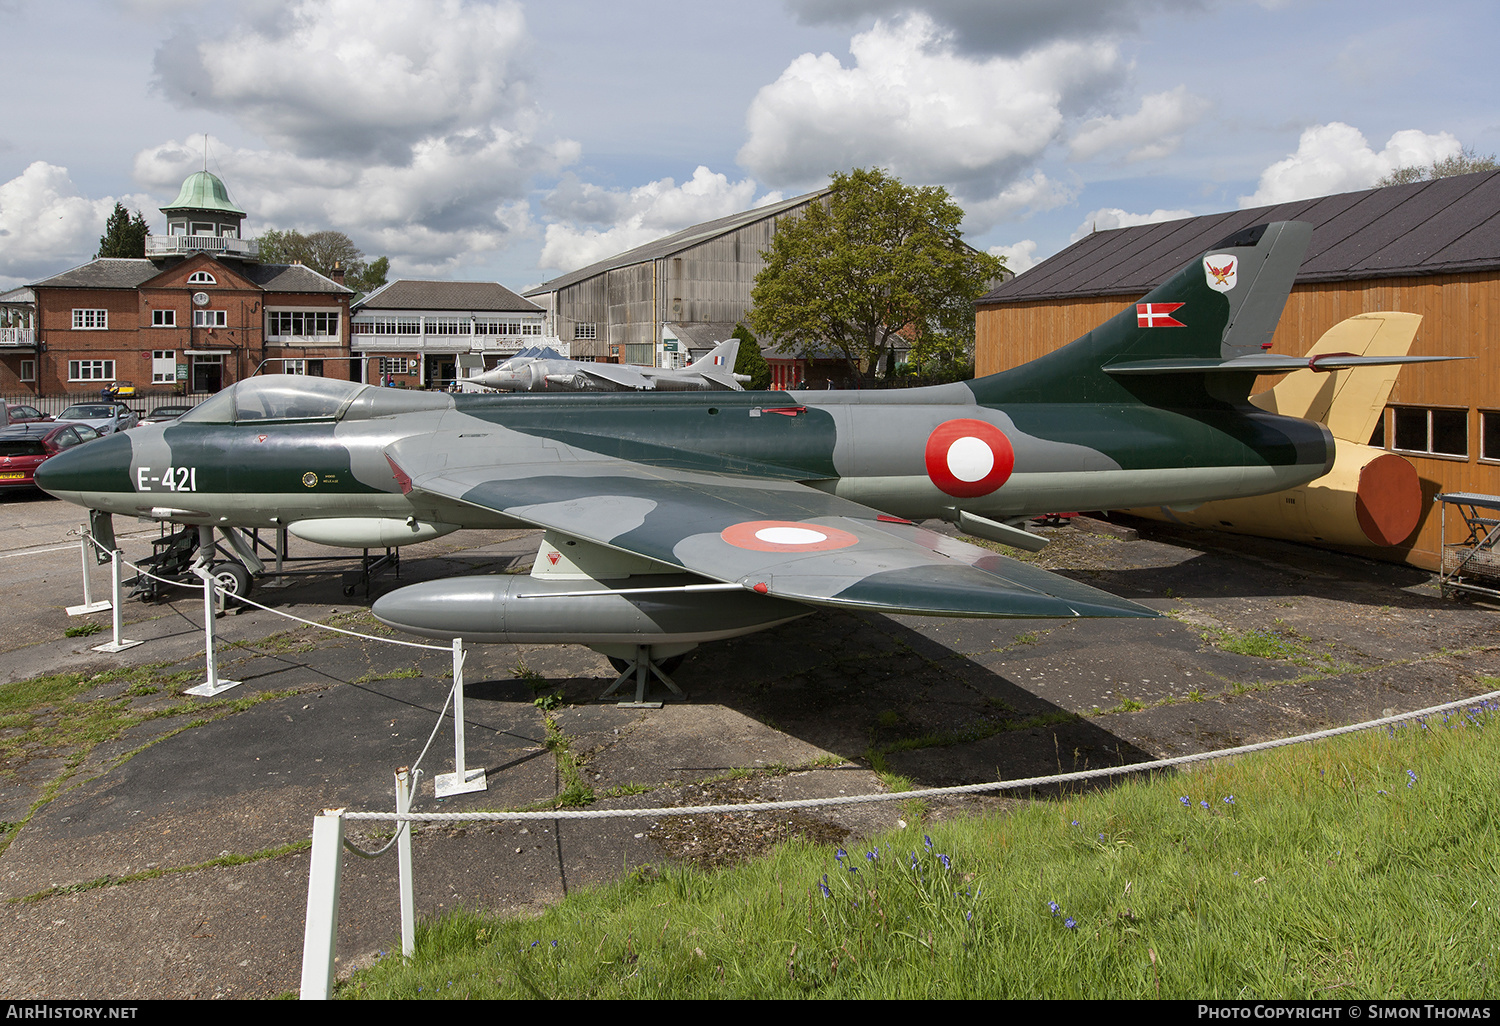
<point x="1186" y="801"/>
<point x="1054" y="907"/>
<point x="1070" y="923"/>
<point x="822" y="886"/>
<point x="944" y="860"/>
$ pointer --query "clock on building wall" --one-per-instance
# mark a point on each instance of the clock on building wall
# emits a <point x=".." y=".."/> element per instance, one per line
<point x="200" y="298"/>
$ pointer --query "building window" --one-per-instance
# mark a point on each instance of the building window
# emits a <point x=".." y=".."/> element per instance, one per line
<point x="301" y="323"/>
<point x="91" y="370"/>
<point x="210" y="318"/>
<point x="163" y="366"/>
<point x="28" y="370"/>
<point x="448" y="326"/>
<point x="531" y="329"/>
<point x="386" y="326"/>
<point x="163" y="318"/>
<point x="585" y="330"/>
<point x="1433" y="432"/>
<point x="1489" y="435"/>
<point x="90" y="320"/>
<point x="395" y="365"/>
<point x="202" y="278"/>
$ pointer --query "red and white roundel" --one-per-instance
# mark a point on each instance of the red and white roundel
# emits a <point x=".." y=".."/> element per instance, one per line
<point x="786" y="536"/>
<point x="966" y="458"/>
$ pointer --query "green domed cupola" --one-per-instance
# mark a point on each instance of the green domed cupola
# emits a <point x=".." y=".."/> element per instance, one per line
<point x="202" y="207"/>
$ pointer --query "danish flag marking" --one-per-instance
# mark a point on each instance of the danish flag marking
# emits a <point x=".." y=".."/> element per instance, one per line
<point x="1157" y="315"/>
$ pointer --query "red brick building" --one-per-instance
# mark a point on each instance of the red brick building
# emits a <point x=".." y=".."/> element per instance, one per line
<point x="198" y="313"/>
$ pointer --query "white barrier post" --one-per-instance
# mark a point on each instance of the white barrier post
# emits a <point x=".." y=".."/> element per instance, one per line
<point x="461" y="780"/>
<point x="320" y="934"/>
<point x="403" y="862"/>
<point x="86" y="549"/>
<point x="119" y="644"/>
<point x="213" y="686"/>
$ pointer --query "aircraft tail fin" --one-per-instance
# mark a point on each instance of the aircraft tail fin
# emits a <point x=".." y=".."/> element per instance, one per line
<point x="1220" y="308"/>
<point x="1349" y="401"/>
<point x="720" y="358"/>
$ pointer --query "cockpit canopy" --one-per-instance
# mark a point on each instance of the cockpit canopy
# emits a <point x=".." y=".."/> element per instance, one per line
<point x="282" y="397"/>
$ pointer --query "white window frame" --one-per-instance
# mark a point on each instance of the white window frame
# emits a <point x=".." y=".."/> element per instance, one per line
<point x="90" y="320"/>
<point x="298" y="366"/>
<point x="163" y="318"/>
<point x="160" y="360"/>
<point x="1429" y="451"/>
<point x="329" y="319"/>
<point x="28" y="370"/>
<point x="202" y="278"/>
<point x="210" y="318"/>
<point x="395" y="365"/>
<point x="586" y="330"/>
<point x="91" y="370"/>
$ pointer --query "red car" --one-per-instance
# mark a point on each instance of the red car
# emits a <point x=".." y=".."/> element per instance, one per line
<point x="24" y="447"/>
<point x="25" y="414"/>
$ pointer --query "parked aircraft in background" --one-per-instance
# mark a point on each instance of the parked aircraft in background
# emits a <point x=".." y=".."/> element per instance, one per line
<point x="543" y="370"/>
<point x="674" y="519"/>
<point x="1369" y="496"/>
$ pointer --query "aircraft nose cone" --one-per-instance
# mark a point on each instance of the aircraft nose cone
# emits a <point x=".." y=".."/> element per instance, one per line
<point x="98" y="466"/>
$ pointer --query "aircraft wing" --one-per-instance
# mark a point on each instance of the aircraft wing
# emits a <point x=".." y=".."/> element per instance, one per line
<point x="618" y="374"/>
<point x="774" y="537"/>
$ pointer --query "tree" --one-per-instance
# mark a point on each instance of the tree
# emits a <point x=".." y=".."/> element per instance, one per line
<point x="324" y="252"/>
<point x="751" y="361"/>
<point x="1465" y="162"/>
<point x="881" y="259"/>
<point x="124" y="236"/>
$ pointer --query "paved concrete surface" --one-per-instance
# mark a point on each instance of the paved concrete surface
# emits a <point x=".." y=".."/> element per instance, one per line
<point x="101" y="899"/>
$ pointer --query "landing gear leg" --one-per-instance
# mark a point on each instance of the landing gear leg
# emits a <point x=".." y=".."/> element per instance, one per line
<point x="642" y="668"/>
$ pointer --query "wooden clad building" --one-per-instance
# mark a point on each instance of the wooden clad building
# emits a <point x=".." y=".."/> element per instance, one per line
<point x="1431" y="248"/>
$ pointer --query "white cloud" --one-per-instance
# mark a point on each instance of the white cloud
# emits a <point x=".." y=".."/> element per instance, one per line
<point x="1002" y="26"/>
<point x="602" y="222"/>
<point x="1152" y="132"/>
<point x="911" y="103"/>
<point x="356" y="77"/>
<point x="1017" y="201"/>
<point x="1106" y="218"/>
<point x="408" y="127"/>
<point x="47" y="225"/>
<point x="1018" y="257"/>
<point x="1336" y="158"/>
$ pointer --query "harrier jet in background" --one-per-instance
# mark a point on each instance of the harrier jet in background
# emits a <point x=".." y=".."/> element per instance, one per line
<point x="543" y="370"/>
<point x="675" y="519"/>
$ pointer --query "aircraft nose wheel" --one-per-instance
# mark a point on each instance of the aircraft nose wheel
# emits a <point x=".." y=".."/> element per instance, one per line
<point x="643" y="668"/>
<point x="233" y="578"/>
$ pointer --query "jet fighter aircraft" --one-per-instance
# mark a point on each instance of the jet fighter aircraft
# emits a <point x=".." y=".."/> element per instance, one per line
<point x="678" y="518"/>
<point x="543" y="370"/>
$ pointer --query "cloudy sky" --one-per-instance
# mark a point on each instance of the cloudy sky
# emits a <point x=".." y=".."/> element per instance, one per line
<point x="510" y="141"/>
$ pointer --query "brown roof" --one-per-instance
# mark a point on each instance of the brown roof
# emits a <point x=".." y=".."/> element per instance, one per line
<point x="1445" y="226"/>
<point x="473" y="296"/>
<point x="129" y="273"/>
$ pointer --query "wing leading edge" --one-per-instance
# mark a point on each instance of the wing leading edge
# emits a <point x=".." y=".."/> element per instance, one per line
<point x="777" y="538"/>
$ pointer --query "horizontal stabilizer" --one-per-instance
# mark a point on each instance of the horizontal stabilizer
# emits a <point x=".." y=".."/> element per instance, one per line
<point x="1266" y="363"/>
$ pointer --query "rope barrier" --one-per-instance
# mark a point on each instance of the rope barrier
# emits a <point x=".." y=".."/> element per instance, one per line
<point x="933" y="792"/>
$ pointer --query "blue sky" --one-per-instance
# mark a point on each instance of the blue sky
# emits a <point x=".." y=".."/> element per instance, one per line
<point x="511" y="142"/>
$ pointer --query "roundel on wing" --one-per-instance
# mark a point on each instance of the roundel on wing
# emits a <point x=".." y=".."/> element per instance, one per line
<point x="966" y="458"/>
<point x="786" y="536"/>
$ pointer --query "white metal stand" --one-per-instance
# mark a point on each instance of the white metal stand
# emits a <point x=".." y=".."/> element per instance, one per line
<point x="213" y="686"/>
<point x="320" y="934"/>
<point x="403" y="862"/>
<point x="119" y="644"/>
<point x="86" y="549"/>
<point x="461" y="780"/>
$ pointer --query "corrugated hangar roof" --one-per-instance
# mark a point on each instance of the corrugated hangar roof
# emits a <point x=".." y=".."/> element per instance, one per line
<point x="1444" y="226"/>
<point x="674" y="243"/>
<point x="406" y="294"/>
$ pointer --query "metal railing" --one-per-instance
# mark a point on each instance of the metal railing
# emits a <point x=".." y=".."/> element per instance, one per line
<point x="167" y="245"/>
<point x="17" y="336"/>
<point x="145" y="400"/>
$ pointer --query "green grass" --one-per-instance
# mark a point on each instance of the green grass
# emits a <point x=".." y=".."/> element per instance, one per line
<point x="1363" y="867"/>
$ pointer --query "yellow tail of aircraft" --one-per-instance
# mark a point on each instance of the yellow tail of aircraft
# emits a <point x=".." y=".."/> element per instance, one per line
<point x="1370" y="497"/>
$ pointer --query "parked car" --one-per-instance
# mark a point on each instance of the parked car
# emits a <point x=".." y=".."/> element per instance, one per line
<point x="25" y="414"/>
<point x="104" y="417"/>
<point x="24" y="447"/>
<point x="164" y="414"/>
